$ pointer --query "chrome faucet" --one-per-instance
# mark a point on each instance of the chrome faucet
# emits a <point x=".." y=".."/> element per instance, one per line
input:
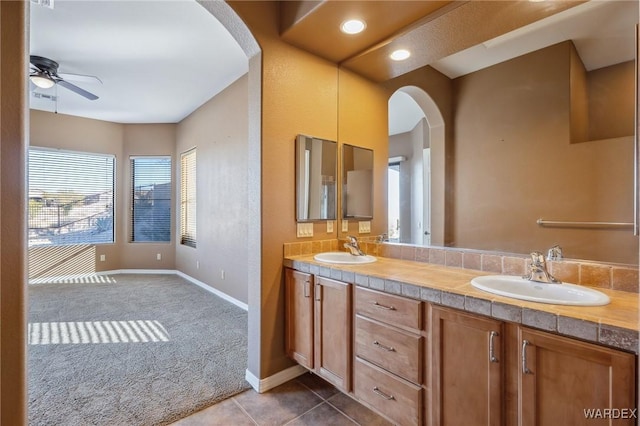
<point x="538" y="270"/>
<point x="353" y="246"/>
<point x="555" y="253"/>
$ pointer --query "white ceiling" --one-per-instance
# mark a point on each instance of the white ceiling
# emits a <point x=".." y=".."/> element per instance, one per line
<point x="158" y="60"/>
<point x="603" y="32"/>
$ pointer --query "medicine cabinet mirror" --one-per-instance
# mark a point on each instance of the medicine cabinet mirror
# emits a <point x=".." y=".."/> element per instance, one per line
<point x="316" y="179"/>
<point x="357" y="182"/>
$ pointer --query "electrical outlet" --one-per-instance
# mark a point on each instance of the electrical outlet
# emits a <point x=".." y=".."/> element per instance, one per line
<point x="345" y="225"/>
<point x="103" y="257"/>
<point x="159" y="256"/>
<point x="329" y="226"/>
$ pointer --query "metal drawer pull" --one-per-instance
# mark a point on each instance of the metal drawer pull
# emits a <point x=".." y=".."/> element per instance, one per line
<point x="389" y="308"/>
<point x="382" y="394"/>
<point x="492" y="355"/>
<point x="525" y="369"/>
<point x="386" y="348"/>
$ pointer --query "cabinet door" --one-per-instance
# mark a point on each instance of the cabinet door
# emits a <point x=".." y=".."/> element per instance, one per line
<point x="333" y="332"/>
<point x="299" y="317"/>
<point x="567" y="382"/>
<point x="466" y="369"/>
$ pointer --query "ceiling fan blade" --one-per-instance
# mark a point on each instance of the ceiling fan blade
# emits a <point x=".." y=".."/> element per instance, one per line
<point x="80" y="78"/>
<point x="77" y="90"/>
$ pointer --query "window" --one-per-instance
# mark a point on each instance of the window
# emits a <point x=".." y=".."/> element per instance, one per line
<point x="70" y="197"/>
<point x="188" y="198"/>
<point x="150" y="199"/>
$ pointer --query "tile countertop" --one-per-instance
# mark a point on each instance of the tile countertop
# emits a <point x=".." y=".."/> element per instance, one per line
<point x="616" y="324"/>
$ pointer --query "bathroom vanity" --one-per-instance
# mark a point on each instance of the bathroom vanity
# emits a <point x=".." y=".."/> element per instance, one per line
<point x="418" y="344"/>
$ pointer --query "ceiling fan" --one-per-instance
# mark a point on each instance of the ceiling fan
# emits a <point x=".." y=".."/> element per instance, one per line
<point x="44" y="74"/>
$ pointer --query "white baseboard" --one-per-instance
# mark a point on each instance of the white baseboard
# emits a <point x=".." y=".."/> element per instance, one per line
<point x="263" y="385"/>
<point x="95" y="277"/>
<point x="215" y="291"/>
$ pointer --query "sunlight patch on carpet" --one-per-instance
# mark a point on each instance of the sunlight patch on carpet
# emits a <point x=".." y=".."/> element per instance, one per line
<point x="87" y="332"/>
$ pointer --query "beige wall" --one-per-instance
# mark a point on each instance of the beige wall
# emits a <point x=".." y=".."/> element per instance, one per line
<point x="515" y="163"/>
<point x="362" y="121"/>
<point x="218" y="130"/>
<point x="300" y="95"/>
<point x="122" y="140"/>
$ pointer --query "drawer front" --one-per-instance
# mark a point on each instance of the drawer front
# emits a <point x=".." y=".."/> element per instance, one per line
<point x="395" y="350"/>
<point x="399" y="400"/>
<point x="388" y="308"/>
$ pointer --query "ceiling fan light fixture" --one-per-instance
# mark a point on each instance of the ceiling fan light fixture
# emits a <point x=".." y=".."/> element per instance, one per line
<point x="353" y="26"/>
<point x="42" y="80"/>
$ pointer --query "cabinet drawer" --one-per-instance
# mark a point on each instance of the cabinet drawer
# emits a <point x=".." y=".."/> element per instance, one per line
<point x="388" y="308"/>
<point x="395" y="350"/>
<point x="399" y="400"/>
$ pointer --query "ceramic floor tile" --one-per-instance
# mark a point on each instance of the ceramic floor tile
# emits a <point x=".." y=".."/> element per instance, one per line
<point x="279" y="405"/>
<point x="224" y="413"/>
<point x="358" y="412"/>
<point x="320" y="386"/>
<point x="322" y="415"/>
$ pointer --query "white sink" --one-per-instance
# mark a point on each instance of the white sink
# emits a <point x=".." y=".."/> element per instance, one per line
<point x="342" y="257"/>
<point x="557" y="294"/>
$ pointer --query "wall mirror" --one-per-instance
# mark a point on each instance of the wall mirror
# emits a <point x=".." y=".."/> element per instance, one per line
<point x="316" y="178"/>
<point x="524" y="145"/>
<point x="357" y="182"/>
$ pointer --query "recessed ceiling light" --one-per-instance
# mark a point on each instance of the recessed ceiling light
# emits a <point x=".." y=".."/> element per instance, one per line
<point x="352" y="26"/>
<point x="400" y="54"/>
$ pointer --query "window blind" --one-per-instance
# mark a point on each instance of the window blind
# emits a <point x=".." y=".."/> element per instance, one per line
<point x="71" y="197"/>
<point x="150" y="199"/>
<point x="188" y="198"/>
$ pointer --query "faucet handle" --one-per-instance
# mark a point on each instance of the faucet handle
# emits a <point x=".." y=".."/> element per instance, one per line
<point x="537" y="258"/>
<point x="554" y="253"/>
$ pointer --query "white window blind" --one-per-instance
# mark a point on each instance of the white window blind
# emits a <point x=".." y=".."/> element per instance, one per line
<point x="188" y="198"/>
<point x="150" y="199"/>
<point x="71" y="197"/>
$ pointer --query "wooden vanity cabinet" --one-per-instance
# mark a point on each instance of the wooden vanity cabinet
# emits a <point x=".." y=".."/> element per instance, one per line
<point x="465" y="369"/>
<point x="388" y="366"/>
<point x="487" y="372"/>
<point x="417" y="363"/>
<point x="565" y="382"/>
<point x="318" y="326"/>
<point x="299" y="317"/>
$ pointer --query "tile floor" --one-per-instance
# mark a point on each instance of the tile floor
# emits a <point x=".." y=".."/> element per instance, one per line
<point x="306" y="400"/>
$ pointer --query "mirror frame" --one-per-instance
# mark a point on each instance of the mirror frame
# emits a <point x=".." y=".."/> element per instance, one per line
<point x="303" y="184"/>
<point x="361" y="180"/>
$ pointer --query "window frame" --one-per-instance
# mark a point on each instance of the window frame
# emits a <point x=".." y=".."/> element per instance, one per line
<point x="188" y="198"/>
<point x="132" y="199"/>
<point x="113" y="190"/>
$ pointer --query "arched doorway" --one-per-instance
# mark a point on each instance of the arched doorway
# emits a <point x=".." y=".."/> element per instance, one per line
<point x="419" y="167"/>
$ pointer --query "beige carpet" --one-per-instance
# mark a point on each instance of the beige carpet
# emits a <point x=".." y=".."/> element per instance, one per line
<point x="131" y="350"/>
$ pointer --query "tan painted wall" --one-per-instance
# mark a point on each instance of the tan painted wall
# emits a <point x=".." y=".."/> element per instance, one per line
<point x="511" y="113"/>
<point x="218" y="130"/>
<point x="362" y="121"/>
<point x="14" y="137"/>
<point x="122" y="140"/>
<point x="144" y="139"/>
<point x="300" y="95"/>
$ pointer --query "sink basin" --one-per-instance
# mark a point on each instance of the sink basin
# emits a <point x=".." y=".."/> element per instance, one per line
<point x="557" y="294"/>
<point x="342" y="257"/>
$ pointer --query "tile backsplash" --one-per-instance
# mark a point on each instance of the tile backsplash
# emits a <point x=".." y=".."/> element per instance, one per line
<point x="593" y="274"/>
